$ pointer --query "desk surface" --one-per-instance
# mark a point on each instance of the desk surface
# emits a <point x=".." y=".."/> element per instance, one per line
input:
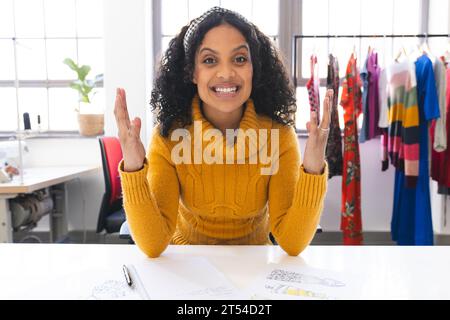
<point x="42" y="177"/>
<point x="388" y="272"/>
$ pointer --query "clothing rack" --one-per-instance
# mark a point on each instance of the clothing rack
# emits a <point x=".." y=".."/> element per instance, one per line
<point x="356" y="36"/>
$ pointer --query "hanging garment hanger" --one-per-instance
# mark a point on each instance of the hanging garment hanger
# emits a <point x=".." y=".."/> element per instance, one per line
<point x="447" y="53"/>
<point x="427" y="51"/>
<point x="314" y="46"/>
<point x="334" y="45"/>
<point x="401" y="51"/>
<point x="354" y="47"/>
<point x="425" y="48"/>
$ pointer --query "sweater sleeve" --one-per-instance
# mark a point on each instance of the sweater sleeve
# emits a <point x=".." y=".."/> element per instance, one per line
<point x="295" y="198"/>
<point x="151" y="197"/>
<point x="440" y="132"/>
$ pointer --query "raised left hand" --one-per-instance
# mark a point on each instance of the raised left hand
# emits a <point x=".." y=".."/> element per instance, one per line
<point x="314" y="158"/>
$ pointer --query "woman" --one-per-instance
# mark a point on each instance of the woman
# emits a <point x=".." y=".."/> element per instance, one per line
<point x="220" y="74"/>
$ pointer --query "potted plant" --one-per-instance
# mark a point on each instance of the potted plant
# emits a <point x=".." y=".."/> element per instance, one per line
<point x="90" y="124"/>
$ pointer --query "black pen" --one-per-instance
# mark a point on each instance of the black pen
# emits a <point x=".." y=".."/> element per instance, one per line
<point x="127" y="275"/>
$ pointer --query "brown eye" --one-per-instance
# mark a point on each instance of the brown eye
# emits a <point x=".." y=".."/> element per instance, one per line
<point x="209" y="61"/>
<point x="241" y="59"/>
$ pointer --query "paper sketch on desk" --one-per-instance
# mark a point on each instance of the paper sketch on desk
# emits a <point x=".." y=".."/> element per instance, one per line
<point x="91" y="284"/>
<point x="113" y="290"/>
<point x="303" y="283"/>
<point x="183" y="279"/>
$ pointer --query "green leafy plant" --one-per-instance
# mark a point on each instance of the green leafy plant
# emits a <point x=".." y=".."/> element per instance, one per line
<point x="82" y="85"/>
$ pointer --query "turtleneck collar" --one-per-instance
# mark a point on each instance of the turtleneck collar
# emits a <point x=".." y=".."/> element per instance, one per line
<point x="250" y="120"/>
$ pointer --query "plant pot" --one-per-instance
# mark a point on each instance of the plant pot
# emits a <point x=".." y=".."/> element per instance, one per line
<point x="91" y="124"/>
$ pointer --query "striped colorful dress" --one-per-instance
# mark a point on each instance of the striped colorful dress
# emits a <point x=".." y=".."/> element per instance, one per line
<point x="411" y="217"/>
<point x="400" y="142"/>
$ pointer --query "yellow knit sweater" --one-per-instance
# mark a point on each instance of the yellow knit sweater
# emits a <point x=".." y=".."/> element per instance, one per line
<point x="169" y="202"/>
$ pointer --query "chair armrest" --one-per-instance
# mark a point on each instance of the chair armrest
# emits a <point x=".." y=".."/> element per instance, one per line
<point x="124" y="232"/>
<point x="319" y="229"/>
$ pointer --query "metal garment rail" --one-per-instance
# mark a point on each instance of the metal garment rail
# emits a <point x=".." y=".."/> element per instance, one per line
<point x="296" y="37"/>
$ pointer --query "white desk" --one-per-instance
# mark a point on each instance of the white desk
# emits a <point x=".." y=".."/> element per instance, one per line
<point x="35" y="179"/>
<point x="389" y="272"/>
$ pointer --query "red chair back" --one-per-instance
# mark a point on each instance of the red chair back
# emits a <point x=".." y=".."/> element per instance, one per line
<point x="111" y="158"/>
<point x="111" y="153"/>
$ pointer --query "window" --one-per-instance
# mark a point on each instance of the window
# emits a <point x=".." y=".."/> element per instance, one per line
<point x="47" y="32"/>
<point x="263" y="13"/>
<point x="352" y="17"/>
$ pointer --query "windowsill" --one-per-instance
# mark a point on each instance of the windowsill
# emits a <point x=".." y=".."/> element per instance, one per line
<point x="10" y="135"/>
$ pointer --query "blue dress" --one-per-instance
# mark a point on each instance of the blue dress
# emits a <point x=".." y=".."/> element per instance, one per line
<point x="411" y="217"/>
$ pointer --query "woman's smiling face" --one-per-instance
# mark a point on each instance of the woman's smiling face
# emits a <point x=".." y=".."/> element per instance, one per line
<point x="223" y="69"/>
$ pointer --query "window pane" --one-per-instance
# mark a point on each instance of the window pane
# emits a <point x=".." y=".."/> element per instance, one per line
<point x="165" y="44"/>
<point x="197" y="8"/>
<point x="90" y="18"/>
<point x="439" y="12"/>
<point x="265" y="15"/>
<point x="29" y="18"/>
<point x="33" y="101"/>
<point x="174" y="16"/>
<point x="345" y="17"/>
<point x="31" y="59"/>
<point x="243" y="7"/>
<point x="8" y="120"/>
<point x="406" y="16"/>
<point x="315" y="17"/>
<point x="60" y="18"/>
<point x="62" y="104"/>
<point x="92" y="53"/>
<point x="371" y="14"/>
<point x="57" y="51"/>
<point x="6" y="19"/>
<point x="7" y="60"/>
<point x="97" y="101"/>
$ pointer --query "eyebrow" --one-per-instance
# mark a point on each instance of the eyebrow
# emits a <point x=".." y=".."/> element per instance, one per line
<point x="244" y="46"/>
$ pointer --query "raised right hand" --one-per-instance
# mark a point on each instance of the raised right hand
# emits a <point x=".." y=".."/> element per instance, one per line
<point x="129" y="134"/>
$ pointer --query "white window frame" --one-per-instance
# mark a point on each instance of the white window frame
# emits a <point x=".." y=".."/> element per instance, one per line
<point x="43" y="84"/>
<point x="294" y="7"/>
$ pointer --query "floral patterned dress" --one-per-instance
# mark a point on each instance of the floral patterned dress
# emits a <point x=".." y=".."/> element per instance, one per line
<point x="313" y="88"/>
<point x="333" y="151"/>
<point x="351" y="101"/>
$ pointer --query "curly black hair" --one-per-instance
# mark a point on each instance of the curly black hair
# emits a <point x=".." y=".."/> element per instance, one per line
<point x="272" y="91"/>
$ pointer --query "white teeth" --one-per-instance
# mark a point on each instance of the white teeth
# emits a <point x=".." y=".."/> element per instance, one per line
<point x="226" y="90"/>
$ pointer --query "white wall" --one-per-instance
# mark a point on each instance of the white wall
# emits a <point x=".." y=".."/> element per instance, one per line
<point x="376" y="192"/>
<point x="128" y="63"/>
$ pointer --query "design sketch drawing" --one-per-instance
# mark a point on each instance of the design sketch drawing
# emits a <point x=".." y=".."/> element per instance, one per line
<point x="291" y="276"/>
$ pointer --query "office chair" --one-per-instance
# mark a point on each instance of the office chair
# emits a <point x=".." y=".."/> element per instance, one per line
<point x="112" y="214"/>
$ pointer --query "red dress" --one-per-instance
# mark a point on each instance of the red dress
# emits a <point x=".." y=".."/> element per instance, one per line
<point x="351" y="101"/>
